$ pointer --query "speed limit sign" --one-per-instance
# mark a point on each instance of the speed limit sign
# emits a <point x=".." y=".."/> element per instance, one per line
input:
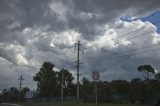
<point x="95" y="75"/>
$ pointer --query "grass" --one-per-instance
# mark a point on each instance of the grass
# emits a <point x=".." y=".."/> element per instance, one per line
<point x="75" y="104"/>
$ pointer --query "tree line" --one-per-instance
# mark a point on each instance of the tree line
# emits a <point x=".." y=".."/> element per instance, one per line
<point x="13" y="94"/>
<point x="49" y="83"/>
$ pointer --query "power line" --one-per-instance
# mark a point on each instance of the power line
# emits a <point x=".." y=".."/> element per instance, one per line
<point x="137" y="50"/>
<point x="127" y="51"/>
<point x="68" y="54"/>
<point x="126" y="34"/>
<point x="120" y="36"/>
<point x="113" y="62"/>
<point x="132" y="37"/>
<point x="117" y="37"/>
<point x="63" y="60"/>
<point x="149" y="50"/>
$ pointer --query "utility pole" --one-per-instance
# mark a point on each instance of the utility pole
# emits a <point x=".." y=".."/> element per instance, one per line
<point x="77" y="46"/>
<point x="62" y="86"/>
<point x="20" y="86"/>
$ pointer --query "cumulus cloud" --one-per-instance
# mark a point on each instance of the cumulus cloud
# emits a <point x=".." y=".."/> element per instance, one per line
<point x="116" y="52"/>
<point x="59" y="9"/>
<point x="21" y="60"/>
<point x="33" y="32"/>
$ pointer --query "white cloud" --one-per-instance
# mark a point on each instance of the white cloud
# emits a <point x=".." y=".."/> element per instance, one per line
<point x="46" y="32"/>
<point x="14" y="25"/>
<point x="84" y="16"/>
<point x="13" y="52"/>
<point x="21" y="60"/>
<point x="42" y="45"/>
<point x="69" y="38"/>
<point x="156" y="38"/>
<point x="59" y="9"/>
<point x="8" y="73"/>
<point x="123" y="52"/>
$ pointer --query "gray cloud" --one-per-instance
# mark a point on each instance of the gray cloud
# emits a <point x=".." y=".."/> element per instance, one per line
<point x="46" y="30"/>
<point x="107" y="11"/>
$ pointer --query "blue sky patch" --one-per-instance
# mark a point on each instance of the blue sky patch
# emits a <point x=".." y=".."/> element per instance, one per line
<point x="154" y="18"/>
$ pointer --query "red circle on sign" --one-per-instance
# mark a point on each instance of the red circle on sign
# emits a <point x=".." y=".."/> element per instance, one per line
<point x="95" y="75"/>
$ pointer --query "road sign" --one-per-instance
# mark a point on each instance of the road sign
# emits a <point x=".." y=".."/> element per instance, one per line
<point x="29" y="94"/>
<point x="95" y="75"/>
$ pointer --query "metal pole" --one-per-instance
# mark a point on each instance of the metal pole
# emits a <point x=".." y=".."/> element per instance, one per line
<point x="96" y="92"/>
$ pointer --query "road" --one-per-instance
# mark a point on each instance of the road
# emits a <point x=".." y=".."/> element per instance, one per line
<point x="7" y="104"/>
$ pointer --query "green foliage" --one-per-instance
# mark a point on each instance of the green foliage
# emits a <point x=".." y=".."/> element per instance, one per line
<point x="148" y="70"/>
<point x="157" y="76"/>
<point x="12" y="94"/>
<point x="121" y="91"/>
<point x="49" y="81"/>
<point x="117" y="91"/>
<point x="86" y="90"/>
<point x="46" y="79"/>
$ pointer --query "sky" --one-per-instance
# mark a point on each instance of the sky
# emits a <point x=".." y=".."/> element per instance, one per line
<point x="116" y="35"/>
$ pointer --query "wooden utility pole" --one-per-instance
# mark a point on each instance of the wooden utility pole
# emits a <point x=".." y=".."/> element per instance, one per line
<point x="78" y="48"/>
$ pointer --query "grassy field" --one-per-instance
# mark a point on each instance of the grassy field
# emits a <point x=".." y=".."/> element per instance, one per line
<point x="81" y="104"/>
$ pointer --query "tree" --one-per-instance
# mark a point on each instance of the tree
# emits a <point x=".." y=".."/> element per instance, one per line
<point x="5" y="95"/>
<point x="67" y="81"/>
<point x="14" y="94"/>
<point x="46" y="80"/>
<point x="87" y="90"/>
<point x="148" y="70"/>
<point x="137" y="91"/>
<point x="104" y="91"/>
<point x="49" y="81"/>
<point x="157" y="76"/>
<point x="23" y="93"/>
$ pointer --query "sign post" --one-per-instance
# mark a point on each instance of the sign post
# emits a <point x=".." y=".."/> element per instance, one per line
<point x="95" y="76"/>
<point x="96" y="92"/>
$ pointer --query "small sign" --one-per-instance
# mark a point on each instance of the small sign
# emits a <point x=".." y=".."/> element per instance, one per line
<point x="95" y="75"/>
<point x="29" y="95"/>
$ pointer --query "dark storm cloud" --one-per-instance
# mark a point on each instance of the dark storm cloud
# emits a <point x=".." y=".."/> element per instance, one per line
<point x="37" y="13"/>
<point x="113" y="8"/>
<point x="33" y="12"/>
<point x="108" y="11"/>
<point x="19" y="14"/>
<point x="34" y="31"/>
